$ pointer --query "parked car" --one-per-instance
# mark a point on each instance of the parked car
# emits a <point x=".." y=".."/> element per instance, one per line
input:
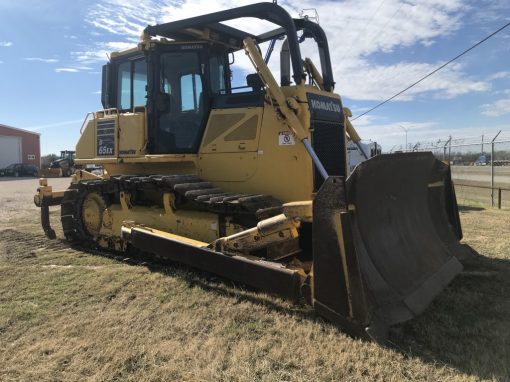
<point x="20" y="169"/>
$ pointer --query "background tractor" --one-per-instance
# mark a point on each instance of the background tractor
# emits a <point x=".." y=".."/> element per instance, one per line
<point x="61" y="167"/>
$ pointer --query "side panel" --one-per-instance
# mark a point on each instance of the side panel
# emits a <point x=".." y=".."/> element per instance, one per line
<point x="229" y="146"/>
<point x="132" y="135"/>
<point x="85" y="148"/>
<point x="273" y="163"/>
<point x="230" y="169"/>
<point x="122" y="136"/>
<point x="232" y="130"/>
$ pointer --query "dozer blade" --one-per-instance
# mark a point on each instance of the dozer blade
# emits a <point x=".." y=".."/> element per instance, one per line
<point x="384" y="242"/>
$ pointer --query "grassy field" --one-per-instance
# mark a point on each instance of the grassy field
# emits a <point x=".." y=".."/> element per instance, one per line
<point x="69" y="315"/>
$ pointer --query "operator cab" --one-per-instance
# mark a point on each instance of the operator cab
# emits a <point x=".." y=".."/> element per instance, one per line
<point x="181" y="70"/>
<point x="175" y="83"/>
<point x="178" y="84"/>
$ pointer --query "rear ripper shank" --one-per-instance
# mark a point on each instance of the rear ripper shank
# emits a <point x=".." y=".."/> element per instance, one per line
<point x="251" y="183"/>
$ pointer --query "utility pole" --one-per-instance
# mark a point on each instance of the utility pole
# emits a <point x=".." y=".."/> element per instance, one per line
<point x="449" y="144"/>
<point x="405" y="130"/>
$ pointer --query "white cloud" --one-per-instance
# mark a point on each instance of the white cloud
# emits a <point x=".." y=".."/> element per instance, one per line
<point x="497" y="108"/>
<point x="426" y="135"/>
<point x="355" y="35"/>
<point x="129" y="18"/>
<point x="73" y="69"/>
<point x="500" y="75"/>
<point x="358" y="34"/>
<point x="489" y="11"/>
<point x="47" y="60"/>
<point x="5" y="43"/>
<point x="102" y="52"/>
<point x="378" y="82"/>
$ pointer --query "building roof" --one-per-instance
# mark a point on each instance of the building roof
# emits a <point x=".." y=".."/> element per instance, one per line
<point x="18" y="129"/>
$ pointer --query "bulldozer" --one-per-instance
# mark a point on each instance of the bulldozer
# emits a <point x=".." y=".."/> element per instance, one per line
<point x="251" y="182"/>
<point x="61" y="167"/>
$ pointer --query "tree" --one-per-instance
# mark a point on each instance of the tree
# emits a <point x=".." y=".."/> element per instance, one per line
<point x="47" y="159"/>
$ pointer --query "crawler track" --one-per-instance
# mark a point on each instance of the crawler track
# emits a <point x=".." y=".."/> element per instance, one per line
<point x="189" y="191"/>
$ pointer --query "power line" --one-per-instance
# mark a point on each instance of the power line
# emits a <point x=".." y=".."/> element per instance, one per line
<point x="378" y="35"/>
<point x="432" y="72"/>
<point x="382" y="30"/>
<point x="355" y="40"/>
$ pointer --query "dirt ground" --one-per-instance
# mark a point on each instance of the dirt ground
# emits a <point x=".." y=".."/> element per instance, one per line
<point x="74" y="316"/>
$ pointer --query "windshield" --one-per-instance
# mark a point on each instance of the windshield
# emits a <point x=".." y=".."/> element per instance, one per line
<point x="11" y="165"/>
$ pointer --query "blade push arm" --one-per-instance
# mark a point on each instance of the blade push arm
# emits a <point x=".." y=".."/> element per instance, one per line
<point x="353" y="134"/>
<point x="276" y="92"/>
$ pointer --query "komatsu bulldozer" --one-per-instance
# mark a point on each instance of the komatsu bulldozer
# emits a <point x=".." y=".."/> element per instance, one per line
<point x="250" y="182"/>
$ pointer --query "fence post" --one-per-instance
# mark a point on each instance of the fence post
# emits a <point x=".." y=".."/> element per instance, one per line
<point x="492" y="171"/>
<point x="499" y="198"/>
<point x="450" y="151"/>
<point x="492" y="174"/>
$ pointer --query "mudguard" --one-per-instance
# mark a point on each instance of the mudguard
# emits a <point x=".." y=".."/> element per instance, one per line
<point x="400" y="241"/>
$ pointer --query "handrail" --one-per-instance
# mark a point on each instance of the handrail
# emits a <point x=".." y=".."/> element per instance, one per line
<point x="478" y="186"/>
<point x="86" y="120"/>
<point x="110" y="111"/>
<point x="487" y="188"/>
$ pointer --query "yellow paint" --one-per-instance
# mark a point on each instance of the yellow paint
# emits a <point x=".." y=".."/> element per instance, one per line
<point x="240" y="152"/>
<point x="132" y="135"/>
<point x="198" y="225"/>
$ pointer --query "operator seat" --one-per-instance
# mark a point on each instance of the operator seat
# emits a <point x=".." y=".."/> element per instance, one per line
<point x="253" y="80"/>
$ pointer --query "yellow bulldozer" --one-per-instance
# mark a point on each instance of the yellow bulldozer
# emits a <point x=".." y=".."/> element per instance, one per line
<point x="250" y="182"/>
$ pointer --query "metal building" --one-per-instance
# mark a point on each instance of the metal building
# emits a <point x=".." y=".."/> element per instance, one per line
<point x="19" y="146"/>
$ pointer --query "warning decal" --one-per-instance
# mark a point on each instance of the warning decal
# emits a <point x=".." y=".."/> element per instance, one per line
<point x="285" y="138"/>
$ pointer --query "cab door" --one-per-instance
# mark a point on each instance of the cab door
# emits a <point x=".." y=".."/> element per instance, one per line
<point x="180" y="102"/>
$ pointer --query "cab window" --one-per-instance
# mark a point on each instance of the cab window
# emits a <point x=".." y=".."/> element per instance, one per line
<point x="191" y="91"/>
<point x="217" y="73"/>
<point x="131" y="84"/>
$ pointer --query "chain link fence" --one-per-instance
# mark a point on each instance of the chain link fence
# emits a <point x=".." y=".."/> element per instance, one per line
<point x="480" y="166"/>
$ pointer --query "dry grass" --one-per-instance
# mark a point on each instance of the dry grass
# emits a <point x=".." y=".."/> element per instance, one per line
<point x="68" y="315"/>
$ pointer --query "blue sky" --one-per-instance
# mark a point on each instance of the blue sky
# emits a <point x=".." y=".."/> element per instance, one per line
<point x="51" y="55"/>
